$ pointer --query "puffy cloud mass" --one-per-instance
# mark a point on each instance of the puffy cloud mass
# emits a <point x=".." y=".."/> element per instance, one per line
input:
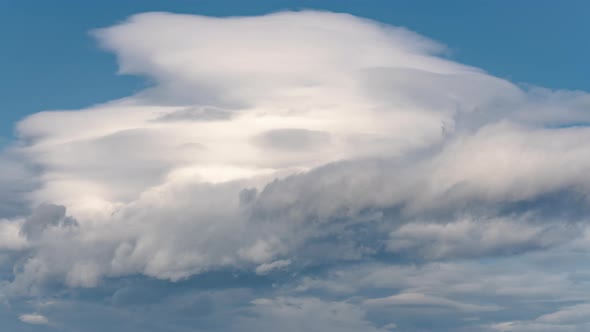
<point x="279" y="156"/>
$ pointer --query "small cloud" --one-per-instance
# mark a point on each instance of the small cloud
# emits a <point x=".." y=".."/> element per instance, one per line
<point x="35" y="319"/>
<point x="390" y="326"/>
<point x="266" y="268"/>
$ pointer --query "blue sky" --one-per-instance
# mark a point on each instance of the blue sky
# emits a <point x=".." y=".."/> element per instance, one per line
<point x="50" y="62"/>
<point x="317" y="166"/>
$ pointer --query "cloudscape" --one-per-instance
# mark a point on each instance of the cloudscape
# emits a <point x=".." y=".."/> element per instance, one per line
<point x="298" y="171"/>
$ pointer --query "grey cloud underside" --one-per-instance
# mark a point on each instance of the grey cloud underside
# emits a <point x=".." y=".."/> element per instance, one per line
<point x="294" y="140"/>
<point x="298" y="172"/>
<point x="196" y="114"/>
<point x="44" y="216"/>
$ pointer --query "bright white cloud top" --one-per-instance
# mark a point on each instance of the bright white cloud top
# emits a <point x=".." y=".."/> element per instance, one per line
<point x="300" y="140"/>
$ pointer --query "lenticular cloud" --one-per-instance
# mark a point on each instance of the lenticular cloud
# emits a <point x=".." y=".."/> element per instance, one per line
<point x="275" y="143"/>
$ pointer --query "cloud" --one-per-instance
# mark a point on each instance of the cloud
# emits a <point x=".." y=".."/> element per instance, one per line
<point x="17" y="180"/>
<point x="570" y="318"/>
<point x="333" y="159"/>
<point x="10" y="237"/>
<point x="293" y="140"/>
<point x="269" y="267"/>
<point x="35" y="319"/>
<point x="165" y="151"/>
<point x="305" y="314"/>
<point x="44" y="216"/>
<point x="419" y="299"/>
<point x="573" y="314"/>
<point x="473" y="238"/>
<point x="196" y="114"/>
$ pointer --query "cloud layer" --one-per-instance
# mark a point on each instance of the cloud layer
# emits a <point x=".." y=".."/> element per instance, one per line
<point x="328" y="172"/>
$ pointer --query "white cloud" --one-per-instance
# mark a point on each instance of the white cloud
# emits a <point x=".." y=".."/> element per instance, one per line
<point x="10" y="237"/>
<point x="266" y="268"/>
<point x="570" y="318"/>
<point x="292" y="140"/>
<point x="35" y="319"/>
<point x="419" y="299"/>
<point x="568" y="315"/>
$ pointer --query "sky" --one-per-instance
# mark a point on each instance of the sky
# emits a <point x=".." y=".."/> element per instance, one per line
<point x="294" y="166"/>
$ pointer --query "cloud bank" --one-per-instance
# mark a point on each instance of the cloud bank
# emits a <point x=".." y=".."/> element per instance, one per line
<point x="328" y="172"/>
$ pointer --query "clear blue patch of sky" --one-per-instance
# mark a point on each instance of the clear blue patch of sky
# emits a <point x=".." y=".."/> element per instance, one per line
<point x="49" y="61"/>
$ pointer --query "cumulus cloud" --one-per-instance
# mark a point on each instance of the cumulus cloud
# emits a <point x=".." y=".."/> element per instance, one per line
<point x="295" y="142"/>
<point x="10" y="236"/>
<point x="44" y="216"/>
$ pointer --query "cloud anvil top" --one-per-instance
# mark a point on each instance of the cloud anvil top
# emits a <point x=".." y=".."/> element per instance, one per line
<point x="299" y="171"/>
